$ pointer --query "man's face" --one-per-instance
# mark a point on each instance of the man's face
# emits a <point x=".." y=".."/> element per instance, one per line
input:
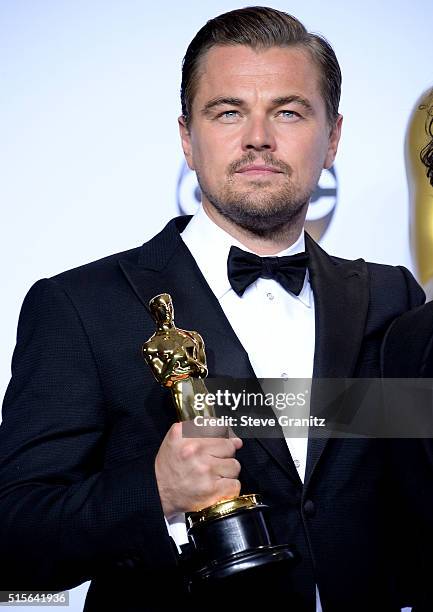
<point x="258" y="137"/>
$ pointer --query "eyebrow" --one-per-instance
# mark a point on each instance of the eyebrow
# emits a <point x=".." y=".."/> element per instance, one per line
<point x="293" y="99"/>
<point x="280" y="101"/>
<point x="220" y="101"/>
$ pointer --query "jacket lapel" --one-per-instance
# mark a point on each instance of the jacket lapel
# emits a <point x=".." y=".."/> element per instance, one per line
<point x="341" y="298"/>
<point x="165" y="265"/>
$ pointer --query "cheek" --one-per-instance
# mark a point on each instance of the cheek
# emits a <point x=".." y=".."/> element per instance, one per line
<point x="311" y="154"/>
<point x="210" y="155"/>
<point x="201" y="149"/>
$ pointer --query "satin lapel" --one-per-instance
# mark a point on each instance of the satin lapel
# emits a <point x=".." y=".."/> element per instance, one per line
<point x="165" y="265"/>
<point x="341" y="297"/>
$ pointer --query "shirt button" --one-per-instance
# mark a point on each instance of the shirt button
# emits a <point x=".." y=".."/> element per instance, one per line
<point x="297" y="463"/>
<point x="270" y="296"/>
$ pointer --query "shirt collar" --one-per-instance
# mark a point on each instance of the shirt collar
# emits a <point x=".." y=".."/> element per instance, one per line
<point x="209" y="244"/>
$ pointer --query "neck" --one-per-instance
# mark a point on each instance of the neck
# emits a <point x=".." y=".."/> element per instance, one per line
<point x="165" y="326"/>
<point x="261" y="245"/>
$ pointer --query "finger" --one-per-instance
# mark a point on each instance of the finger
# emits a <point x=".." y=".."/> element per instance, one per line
<point x="237" y="442"/>
<point x="214" y="431"/>
<point x="174" y="435"/>
<point x="226" y="468"/>
<point x="219" y="447"/>
<point x="228" y="488"/>
<point x="191" y="429"/>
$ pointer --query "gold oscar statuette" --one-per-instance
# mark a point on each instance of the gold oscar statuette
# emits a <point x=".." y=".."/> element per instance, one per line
<point x="420" y="191"/>
<point x="231" y="535"/>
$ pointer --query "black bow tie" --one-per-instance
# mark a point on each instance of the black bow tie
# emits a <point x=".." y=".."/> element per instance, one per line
<point x="245" y="268"/>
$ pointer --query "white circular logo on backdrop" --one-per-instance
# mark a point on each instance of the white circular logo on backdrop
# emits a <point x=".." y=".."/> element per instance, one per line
<point x="320" y="211"/>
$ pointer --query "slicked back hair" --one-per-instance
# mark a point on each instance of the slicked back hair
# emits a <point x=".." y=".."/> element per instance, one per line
<point x="260" y="28"/>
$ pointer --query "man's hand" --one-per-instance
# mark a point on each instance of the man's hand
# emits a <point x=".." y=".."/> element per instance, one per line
<point x="193" y="473"/>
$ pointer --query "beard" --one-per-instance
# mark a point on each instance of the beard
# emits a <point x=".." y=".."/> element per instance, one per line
<point x="260" y="208"/>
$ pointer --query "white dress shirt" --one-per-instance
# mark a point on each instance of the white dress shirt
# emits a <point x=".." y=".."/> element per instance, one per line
<point x="265" y="316"/>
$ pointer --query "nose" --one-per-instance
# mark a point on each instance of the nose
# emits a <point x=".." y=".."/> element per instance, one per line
<point x="258" y="135"/>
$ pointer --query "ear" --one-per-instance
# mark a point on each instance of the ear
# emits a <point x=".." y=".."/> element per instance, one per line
<point x="185" y="138"/>
<point x="334" y="139"/>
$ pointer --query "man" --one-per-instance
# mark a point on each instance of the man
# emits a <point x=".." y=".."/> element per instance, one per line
<point x="408" y="353"/>
<point x="94" y="473"/>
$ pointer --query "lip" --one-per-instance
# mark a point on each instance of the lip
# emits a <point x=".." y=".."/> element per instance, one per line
<point x="258" y="169"/>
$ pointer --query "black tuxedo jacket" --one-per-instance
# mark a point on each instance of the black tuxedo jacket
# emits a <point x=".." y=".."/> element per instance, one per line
<point x="408" y="345"/>
<point x="408" y="353"/>
<point x="83" y="419"/>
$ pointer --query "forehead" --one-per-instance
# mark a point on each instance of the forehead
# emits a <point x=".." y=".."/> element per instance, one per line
<point x="242" y="71"/>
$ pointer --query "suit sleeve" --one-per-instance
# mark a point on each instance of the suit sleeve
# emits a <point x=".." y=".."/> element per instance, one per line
<point x="416" y="295"/>
<point x="64" y="518"/>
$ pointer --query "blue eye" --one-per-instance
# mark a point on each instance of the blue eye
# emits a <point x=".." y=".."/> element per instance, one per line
<point x="288" y="114"/>
<point x="229" y="115"/>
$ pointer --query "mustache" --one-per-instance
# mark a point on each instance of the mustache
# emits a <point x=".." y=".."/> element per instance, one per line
<point x="266" y="158"/>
